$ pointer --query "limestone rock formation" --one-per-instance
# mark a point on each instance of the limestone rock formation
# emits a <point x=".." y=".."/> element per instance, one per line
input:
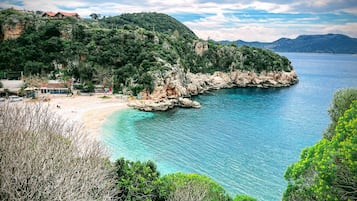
<point x="201" y="47"/>
<point x="174" y="88"/>
<point x="163" y="104"/>
<point x="12" y="31"/>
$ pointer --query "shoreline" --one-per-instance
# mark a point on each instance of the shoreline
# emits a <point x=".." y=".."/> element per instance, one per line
<point x="88" y="111"/>
<point x="173" y="89"/>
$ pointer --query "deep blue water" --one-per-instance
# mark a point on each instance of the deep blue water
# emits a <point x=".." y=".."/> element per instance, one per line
<point x="244" y="138"/>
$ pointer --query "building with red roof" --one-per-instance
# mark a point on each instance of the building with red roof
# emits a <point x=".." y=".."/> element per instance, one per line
<point x="48" y="14"/>
<point x="59" y="15"/>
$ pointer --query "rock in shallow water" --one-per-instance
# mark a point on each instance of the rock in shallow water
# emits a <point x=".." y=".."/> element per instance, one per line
<point x="163" y="104"/>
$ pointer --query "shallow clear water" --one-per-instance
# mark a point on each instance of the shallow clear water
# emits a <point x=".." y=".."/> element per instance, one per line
<point x="244" y="138"/>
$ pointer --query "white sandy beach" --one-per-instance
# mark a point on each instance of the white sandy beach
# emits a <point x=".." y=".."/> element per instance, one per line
<point x="91" y="111"/>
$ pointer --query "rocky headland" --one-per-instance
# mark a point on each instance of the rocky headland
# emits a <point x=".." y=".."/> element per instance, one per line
<point x="175" y="88"/>
<point x="164" y="67"/>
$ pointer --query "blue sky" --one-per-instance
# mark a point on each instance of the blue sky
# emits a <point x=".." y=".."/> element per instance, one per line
<point x="261" y="20"/>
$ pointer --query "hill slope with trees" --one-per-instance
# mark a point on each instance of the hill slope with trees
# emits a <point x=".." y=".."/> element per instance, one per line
<point x="130" y="52"/>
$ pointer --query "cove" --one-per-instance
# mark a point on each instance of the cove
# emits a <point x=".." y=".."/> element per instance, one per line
<point x="244" y="138"/>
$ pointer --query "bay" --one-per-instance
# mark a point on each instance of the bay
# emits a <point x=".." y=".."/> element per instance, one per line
<point x="244" y="138"/>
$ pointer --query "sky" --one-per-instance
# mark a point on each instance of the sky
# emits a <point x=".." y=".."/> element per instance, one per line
<point x="261" y="20"/>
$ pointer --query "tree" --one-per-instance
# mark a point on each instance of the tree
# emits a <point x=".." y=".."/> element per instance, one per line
<point x="244" y="198"/>
<point x="328" y="170"/>
<point x="95" y="16"/>
<point x="191" y="187"/>
<point x="137" y="180"/>
<point x="342" y="99"/>
<point x="43" y="157"/>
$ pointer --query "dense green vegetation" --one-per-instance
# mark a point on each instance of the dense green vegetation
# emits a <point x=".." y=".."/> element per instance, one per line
<point x="141" y="181"/>
<point x="191" y="187"/>
<point x="341" y="102"/>
<point x="126" y="51"/>
<point x="328" y="170"/>
<point x="156" y="22"/>
<point x="137" y="180"/>
<point x="244" y="198"/>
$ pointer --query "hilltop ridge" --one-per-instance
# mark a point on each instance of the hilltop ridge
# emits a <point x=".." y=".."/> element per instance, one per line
<point x="326" y="43"/>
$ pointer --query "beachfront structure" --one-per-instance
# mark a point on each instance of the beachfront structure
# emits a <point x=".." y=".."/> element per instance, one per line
<point x="12" y="86"/>
<point x="55" y="87"/>
<point x="51" y="87"/>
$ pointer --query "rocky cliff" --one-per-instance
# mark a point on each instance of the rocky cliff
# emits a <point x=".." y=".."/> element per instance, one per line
<point x="176" y="87"/>
<point x="12" y="31"/>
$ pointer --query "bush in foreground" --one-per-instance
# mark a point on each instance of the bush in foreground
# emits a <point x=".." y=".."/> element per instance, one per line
<point x="342" y="100"/>
<point x="137" y="180"/>
<point x="191" y="187"/>
<point x="244" y="198"/>
<point x="328" y="170"/>
<point x="43" y="157"/>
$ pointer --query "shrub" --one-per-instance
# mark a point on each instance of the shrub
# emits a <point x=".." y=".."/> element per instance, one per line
<point x="43" y="157"/>
<point x="340" y="103"/>
<point x="137" y="180"/>
<point x="327" y="170"/>
<point x="191" y="187"/>
<point x="244" y="198"/>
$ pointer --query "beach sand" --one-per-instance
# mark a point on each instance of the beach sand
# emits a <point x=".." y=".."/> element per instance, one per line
<point x="89" y="111"/>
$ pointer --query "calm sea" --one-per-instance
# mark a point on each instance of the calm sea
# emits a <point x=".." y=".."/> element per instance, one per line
<point x="243" y="138"/>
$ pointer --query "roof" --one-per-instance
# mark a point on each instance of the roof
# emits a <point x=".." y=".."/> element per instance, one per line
<point x="55" y="84"/>
<point x="49" y="13"/>
<point x="12" y="84"/>
<point x="66" y="14"/>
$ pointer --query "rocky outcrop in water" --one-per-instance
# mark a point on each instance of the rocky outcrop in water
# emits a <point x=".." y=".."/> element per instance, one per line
<point x="175" y="87"/>
<point x="163" y="104"/>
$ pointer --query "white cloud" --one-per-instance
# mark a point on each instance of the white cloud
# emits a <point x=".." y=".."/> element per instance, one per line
<point x="271" y="7"/>
<point x="255" y="32"/>
<point x="222" y="23"/>
<point x="318" y="3"/>
<point x="223" y="27"/>
<point x="213" y="22"/>
<point x="352" y="10"/>
<point x="348" y="28"/>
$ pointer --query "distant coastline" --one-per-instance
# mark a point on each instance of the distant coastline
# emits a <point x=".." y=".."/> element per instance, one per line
<point x="328" y="43"/>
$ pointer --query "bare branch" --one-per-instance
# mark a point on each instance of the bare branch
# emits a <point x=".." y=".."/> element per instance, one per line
<point x="43" y="157"/>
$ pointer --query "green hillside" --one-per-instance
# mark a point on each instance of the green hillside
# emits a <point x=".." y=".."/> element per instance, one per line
<point x="126" y="51"/>
<point x="156" y="22"/>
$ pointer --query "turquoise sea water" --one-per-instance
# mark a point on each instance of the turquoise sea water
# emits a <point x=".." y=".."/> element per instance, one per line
<point x="244" y="138"/>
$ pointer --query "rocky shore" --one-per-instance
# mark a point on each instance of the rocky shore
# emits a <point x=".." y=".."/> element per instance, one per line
<point x="175" y="88"/>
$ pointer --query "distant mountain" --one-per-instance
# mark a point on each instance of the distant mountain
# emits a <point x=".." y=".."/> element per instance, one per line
<point x="328" y="43"/>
